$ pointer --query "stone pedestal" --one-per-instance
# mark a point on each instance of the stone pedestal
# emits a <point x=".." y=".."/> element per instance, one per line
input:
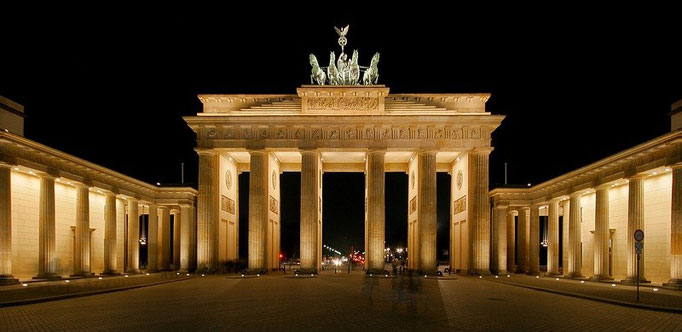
<point x="428" y="214"/>
<point x="46" y="239"/>
<point x="553" y="239"/>
<point x="133" y="237"/>
<point x="6" y="226"/>
<point x="574" y="238"/>
<point x="376" y="213"/>
<point x="601" y="235"/>
<point x="675" y="281"/>
<point x="207" y="211"/>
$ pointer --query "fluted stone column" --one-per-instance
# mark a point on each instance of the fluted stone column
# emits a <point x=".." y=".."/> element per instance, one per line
<point x="177" y="224"/>
<point x="164" y="239"/>
<point x="81" y="261"/>
<point x="500" y="233"/>
<point x="428" y="214"/>
<point x="675" y="281"/>
<point x="553" y="238"/>
<point x="574" y="238"/>
<point x="133" y="237"/>
<point x="511" y="240"/>
<point x="523" y="235"/>
<point x="565" y="248"/>
<point x="193" y="239"/>
<point x="207" y="216"/>
<point x="534" y="241"/>
<point x="376" y="214"/>
<point x="153" y="239"/>
<point x="635" y="222"/>
<point x="479" y="210"/>
<point x="601" y="235"/>
<point x="6" y="225"/>
<point x="110" y="257"/>
<point x="309" y="206"/>
<point x="47" y="263"/>
<point x="185" y="223"/>
<point x="258" y="210"/>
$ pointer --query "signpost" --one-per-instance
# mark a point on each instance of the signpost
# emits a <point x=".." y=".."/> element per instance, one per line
<point x="639" y="246"/>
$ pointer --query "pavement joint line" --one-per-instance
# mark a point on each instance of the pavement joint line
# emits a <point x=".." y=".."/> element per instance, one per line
<point x="594" y="298"/>
<point x="83" y="294"/>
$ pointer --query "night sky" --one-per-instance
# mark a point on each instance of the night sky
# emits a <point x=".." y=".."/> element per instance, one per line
<point x="110" y="86"/>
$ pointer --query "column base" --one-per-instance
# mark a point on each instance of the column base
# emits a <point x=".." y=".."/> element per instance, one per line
<point x="600" y="278"/>
<point x="481" y="272"/>
<point x="8" y="280"/>
<point x="110" y="273"/>
<point x="553" y="274"/>
<point x="501" y="272"/>
<point x="675" y="284"/>
<point x="83" y="275"/>
<point x="633" y="281"/>
<point x="48" y="276"/>
<point x="576" y="275"/>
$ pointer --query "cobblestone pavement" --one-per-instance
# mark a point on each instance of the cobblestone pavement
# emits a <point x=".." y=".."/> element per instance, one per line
<point x="648" y="295"/>
<point x="49" y="289"/>
<point x="331" y="302"/>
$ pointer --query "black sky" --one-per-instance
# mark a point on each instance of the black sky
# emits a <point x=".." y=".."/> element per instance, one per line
<point x="110" y="84"/>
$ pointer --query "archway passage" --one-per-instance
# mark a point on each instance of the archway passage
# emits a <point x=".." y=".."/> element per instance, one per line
<point x="343" y="215"/>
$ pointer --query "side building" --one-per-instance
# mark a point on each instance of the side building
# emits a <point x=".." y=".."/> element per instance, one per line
<point x="63" y="216"/>
<point x="585" y="220"/>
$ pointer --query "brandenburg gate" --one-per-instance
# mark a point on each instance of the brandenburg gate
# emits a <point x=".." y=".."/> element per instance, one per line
<point x="360" y="128"/>
<point x="343" y="122"/>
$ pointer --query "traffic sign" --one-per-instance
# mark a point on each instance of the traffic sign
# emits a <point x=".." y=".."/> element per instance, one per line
<point x="639" y="235"/>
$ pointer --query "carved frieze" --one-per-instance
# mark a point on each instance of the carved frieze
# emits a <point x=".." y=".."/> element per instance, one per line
<point x="384" y="132"/>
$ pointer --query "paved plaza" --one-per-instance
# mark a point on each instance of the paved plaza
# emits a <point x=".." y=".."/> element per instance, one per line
<point x="332" y="302"/>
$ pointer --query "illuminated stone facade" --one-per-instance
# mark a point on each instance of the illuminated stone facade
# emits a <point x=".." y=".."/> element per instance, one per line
<point x="62" y="216"/>
<point x="346" y="129"/>
<point x="601" y="205"/>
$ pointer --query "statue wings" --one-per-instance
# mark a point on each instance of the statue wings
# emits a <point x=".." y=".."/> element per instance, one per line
<point x="343" y="31"/>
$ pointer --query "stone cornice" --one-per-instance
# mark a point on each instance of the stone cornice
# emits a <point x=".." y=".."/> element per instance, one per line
<point x="323" y="131"/>
<point x="662" y="151"/>
<point x="42" y="158"/>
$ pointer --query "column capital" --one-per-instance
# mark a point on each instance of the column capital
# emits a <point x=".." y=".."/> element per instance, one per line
<point x="512" y="211"/>
<point x="427" y="151"/>
<point x="376" y="151"/>
<point x="676" y="165"/>
<point x="163" y="207"/>
<point x="482" y="150"/>
<point x="525" y="208"/>
<point x="205" y="151"/>
<point x="308" y="151"/>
